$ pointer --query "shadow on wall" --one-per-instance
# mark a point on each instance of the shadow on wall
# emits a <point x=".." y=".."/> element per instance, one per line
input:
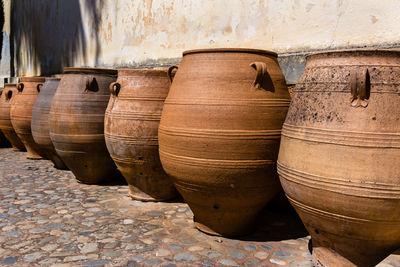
<point x="49" y="35"/>
<point x="1" y="25"/>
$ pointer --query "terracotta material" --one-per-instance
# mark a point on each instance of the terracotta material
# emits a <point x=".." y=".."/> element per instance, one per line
<point x="21" y="113"/>
<point x="40" y="122"/>
<point x="339" y="160"/>
<point x="219" y="135"/>
<point x="6" y="127"/>
<point x="77" y="123"/>
<point x="131" y="132"/>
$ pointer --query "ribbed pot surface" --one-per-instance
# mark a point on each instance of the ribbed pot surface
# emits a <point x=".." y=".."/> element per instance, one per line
<point x="131" y="131"/>
<point x="219" y="135"/>
<point x="339" y="160"/>
<point x="40" y="122"/>
<point x="6" y="127"/>
<point x="21" y="113"/>
<point x="77" y="123"/>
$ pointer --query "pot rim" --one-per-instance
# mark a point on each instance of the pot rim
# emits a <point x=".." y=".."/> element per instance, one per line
<point x="52" y="79"/>
<point x="353" y="50"/>
<point x="143" y="71"/>
<point x="10" y="84"/>
<point x="73" y="70"/>
<point x="32" y="79"/>
<point x="231" y="50"/>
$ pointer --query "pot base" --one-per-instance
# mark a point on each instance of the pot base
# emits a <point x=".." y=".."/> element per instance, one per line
<point x="34" y="156"/>
<point x="13" y="138"/>
<point x="207" y="230"/>
<point x="325" y="257"/>
<point x="202" y="228"/>
<point x="137" y="194"/>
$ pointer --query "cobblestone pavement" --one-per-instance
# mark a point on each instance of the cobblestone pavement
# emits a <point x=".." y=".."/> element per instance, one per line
<point x="48" y="218"/>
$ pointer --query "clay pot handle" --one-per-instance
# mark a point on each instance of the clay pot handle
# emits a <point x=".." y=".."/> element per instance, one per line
<point x="8" y="95"/>
<point x="92" y="85"/>
<point x="170" y="69"/>
<point x="20" y="87"/>
<point x="39" y="86"/>
<point x="261" y="68"/>
<point x="360" y="88"/>
<point x="115" y="87"/>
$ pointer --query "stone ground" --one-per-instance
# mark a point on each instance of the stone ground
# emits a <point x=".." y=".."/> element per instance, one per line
<point x="48" y="218"/>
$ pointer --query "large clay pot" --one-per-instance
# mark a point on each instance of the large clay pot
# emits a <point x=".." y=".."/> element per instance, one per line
<point x="21" y="113"/>
<point x="6" y="127"/>
<point x="40" y="122"/>
<point x="219" y="135"/>
<point x="131" y="132"/>
<point x="339" y="160"/>
<point x="77" y="123"/>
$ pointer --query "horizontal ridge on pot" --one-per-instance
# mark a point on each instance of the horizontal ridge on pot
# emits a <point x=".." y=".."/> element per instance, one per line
<point x="77" y="123"/>
<point x="6" y="127"/>
<point x="21" y="113"/>
<point x="219" y="135"/>
<point x="340" y="152"/>
<point x="40" y="122"/>
<point x="131" y="132"/>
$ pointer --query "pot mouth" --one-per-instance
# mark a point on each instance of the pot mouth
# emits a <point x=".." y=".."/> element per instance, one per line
<point x="71" y="70"/>
<point x="354" y="51"/>
<point x="32" y="79"/>
<point x="231" y="50"/>
<point x="142" y="71"/>
<point x="10" y="84"/>
<point x="52" y="79"/>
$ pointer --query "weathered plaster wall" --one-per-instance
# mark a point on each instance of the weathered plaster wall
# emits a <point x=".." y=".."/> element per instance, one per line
<point x="5" y="56"/>
<point x="50" y="34"/>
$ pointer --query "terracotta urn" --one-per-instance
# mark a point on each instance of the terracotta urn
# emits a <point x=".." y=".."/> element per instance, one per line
<point x="131" y="132"/>
<point x="339" y="160"/>
<point x="77" y="123"/>
<point x="21" y="113"/>
<point x="40" y="122"/>
<point x="6" y="127"/>
<point x="219" y="135"/>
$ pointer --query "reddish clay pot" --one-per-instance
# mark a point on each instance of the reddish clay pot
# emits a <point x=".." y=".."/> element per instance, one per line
<point x="6" y="127"/>
<point x="40" y="122"/>
<point x="219" y="135"/>
<point x="77" y="123"/>
<point x="131" y="132"/>
<point x="339" y="160"/>
<point x="21" y="113"/>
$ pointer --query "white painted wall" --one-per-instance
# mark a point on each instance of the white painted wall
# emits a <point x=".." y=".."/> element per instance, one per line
<point x="134" y="32"/>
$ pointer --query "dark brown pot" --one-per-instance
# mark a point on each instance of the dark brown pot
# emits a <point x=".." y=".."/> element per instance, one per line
<point x="21" y="113"/>
<point x="131" y="132"/>
<point x="40" y="122"/>
<point x="6" y="127"/>
<point x="339" y="160"/>
<point x="77" y="123"/>
<point x="219" y="135"/>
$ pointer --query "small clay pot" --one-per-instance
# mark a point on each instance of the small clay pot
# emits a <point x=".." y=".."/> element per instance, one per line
<point x="40" y="122"/>
<point x="131" y="132"/>
<point x="77" y="123"/>
<point x="219" y="135"/>
<point x="6" y="127"/>
<point x="21" y="113"/>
